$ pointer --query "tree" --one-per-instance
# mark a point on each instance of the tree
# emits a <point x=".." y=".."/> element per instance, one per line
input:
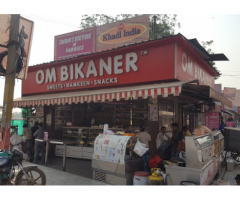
<point x="206" y="45"/>
<point x="165" y="24"/>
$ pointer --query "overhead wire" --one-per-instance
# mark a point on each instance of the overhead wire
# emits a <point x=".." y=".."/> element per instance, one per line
<point x="52" y="21"/>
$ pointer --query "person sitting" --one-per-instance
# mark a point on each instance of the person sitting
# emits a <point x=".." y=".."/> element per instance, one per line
<point x="162" y="144"/>
<point x="237" y="178"/>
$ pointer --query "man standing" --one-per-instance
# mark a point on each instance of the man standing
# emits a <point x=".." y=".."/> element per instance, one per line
<point x="27" y="133"/>
<point x="176" y="137"/>
<point x="33" y="129"/>
<point x="39" y="146"/>
<point x="145" y="138"/>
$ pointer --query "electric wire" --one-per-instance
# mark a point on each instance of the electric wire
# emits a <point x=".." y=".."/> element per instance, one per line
<point x="53" y="21"/>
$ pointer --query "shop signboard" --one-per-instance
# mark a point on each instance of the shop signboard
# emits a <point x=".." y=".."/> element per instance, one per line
<point x="74" y="44"/>
<point x="218" y="88"/>
<point x="25" y="33"/>
<point x="229" y="124"/>
<point x="237" y="98"/>
<point x="113" y="68"/>
<point x="230" y="94"/>
<point x="123" y="32"/>
<point x="189" y="67"/>
<point x="212" y="119"/>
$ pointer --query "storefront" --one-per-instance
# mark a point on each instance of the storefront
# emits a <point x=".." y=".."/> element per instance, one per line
<point x="151" y="84"/>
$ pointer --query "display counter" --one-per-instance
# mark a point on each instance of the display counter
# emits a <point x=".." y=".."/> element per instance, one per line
<point x="203" y="158"/>
<point x="114" y="161"/>
<point x="84" y="141"/>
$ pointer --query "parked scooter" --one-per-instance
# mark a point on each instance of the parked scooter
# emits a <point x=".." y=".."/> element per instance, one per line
<point x="29" y="175"/>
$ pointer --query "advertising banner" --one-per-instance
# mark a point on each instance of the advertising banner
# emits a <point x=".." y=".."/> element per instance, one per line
<point x="230" y="94"/>
<point x="218" y="88"/>
<point x="75" y="44"/>
<point x="212" y="119"/>
<point x="123" y="32"/>
<point x="25" y="39"/>
<point x="189" y="68"/>
<point x="239" y="109"/>
<point x="102" y="70"/>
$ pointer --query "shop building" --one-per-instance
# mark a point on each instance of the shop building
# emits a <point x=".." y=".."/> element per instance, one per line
<point x="151" y="83"/>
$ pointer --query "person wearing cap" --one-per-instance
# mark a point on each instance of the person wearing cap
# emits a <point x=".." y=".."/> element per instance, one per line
<point x="27" y="133"/>
<point x="177" y="136"/>
<point x="237" y="178"/>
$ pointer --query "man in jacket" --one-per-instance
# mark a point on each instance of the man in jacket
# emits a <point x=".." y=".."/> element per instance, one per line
<point x="27" y="133"/>
<point x="39" y="146"/>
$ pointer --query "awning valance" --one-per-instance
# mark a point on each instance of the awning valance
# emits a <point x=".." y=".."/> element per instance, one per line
<point x="203" y="92"/>
<point x="144" y="91"/>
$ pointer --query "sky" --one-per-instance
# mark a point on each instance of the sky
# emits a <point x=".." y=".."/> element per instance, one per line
<point x="223" y="29"/>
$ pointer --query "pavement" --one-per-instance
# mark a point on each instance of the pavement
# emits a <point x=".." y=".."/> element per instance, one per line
<point x="59" y="177"/>
<point x="230" y="175"/>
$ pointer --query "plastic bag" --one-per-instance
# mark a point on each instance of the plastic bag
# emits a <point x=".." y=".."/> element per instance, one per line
<point x="140" y="148"/>
<point x="15" y="139"/>
<point x="24" y="138"/>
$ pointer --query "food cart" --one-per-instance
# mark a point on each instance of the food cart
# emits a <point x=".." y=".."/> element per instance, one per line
<point x="114" y="161"/>
<point x="203" y="158"/>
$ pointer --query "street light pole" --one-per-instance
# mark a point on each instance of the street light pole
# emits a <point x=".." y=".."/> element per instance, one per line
<point x="13" y="55"/>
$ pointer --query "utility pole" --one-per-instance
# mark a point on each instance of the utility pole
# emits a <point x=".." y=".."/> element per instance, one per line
<point x="13" y="55"/>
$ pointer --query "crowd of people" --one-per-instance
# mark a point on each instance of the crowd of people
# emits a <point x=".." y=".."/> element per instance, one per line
<point x="167" y="144"/>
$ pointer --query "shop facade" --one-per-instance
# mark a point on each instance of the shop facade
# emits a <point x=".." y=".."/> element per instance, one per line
<point x="151" y="84"/>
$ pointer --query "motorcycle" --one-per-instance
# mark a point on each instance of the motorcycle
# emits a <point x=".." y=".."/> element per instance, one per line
<point x="29" y="175"/>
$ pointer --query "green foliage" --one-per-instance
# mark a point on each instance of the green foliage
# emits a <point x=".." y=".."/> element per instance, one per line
<point x="206" y="45"/>
<point x="165" y="24"/>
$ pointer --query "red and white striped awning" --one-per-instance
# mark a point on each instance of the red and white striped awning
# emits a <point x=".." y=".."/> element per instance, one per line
<point x="101" y="95"/>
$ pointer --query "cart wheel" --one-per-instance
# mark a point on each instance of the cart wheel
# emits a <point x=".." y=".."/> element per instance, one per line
<point x="187" y="183"/>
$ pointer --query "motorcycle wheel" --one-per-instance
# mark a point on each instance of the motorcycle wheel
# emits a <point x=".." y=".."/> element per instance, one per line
<point x="37" y="177"/>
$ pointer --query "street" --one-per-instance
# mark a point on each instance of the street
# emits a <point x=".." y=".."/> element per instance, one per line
<point x="57" y="177"/>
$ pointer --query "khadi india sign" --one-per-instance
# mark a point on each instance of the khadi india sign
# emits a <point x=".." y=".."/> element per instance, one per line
<point x="123" y="32"/>
<point x="139" y="64"/>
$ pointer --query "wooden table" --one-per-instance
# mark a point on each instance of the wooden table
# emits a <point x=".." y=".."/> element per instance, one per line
<point x="61" y="142"/>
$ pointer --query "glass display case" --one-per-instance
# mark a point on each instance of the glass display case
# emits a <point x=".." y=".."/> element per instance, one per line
<point x="85" y="136"/>
<point x="140" y="113"/>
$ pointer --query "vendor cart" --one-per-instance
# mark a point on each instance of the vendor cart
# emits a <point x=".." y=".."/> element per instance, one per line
<point x="203" y="158"/>
<point x="114" y="161"/>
